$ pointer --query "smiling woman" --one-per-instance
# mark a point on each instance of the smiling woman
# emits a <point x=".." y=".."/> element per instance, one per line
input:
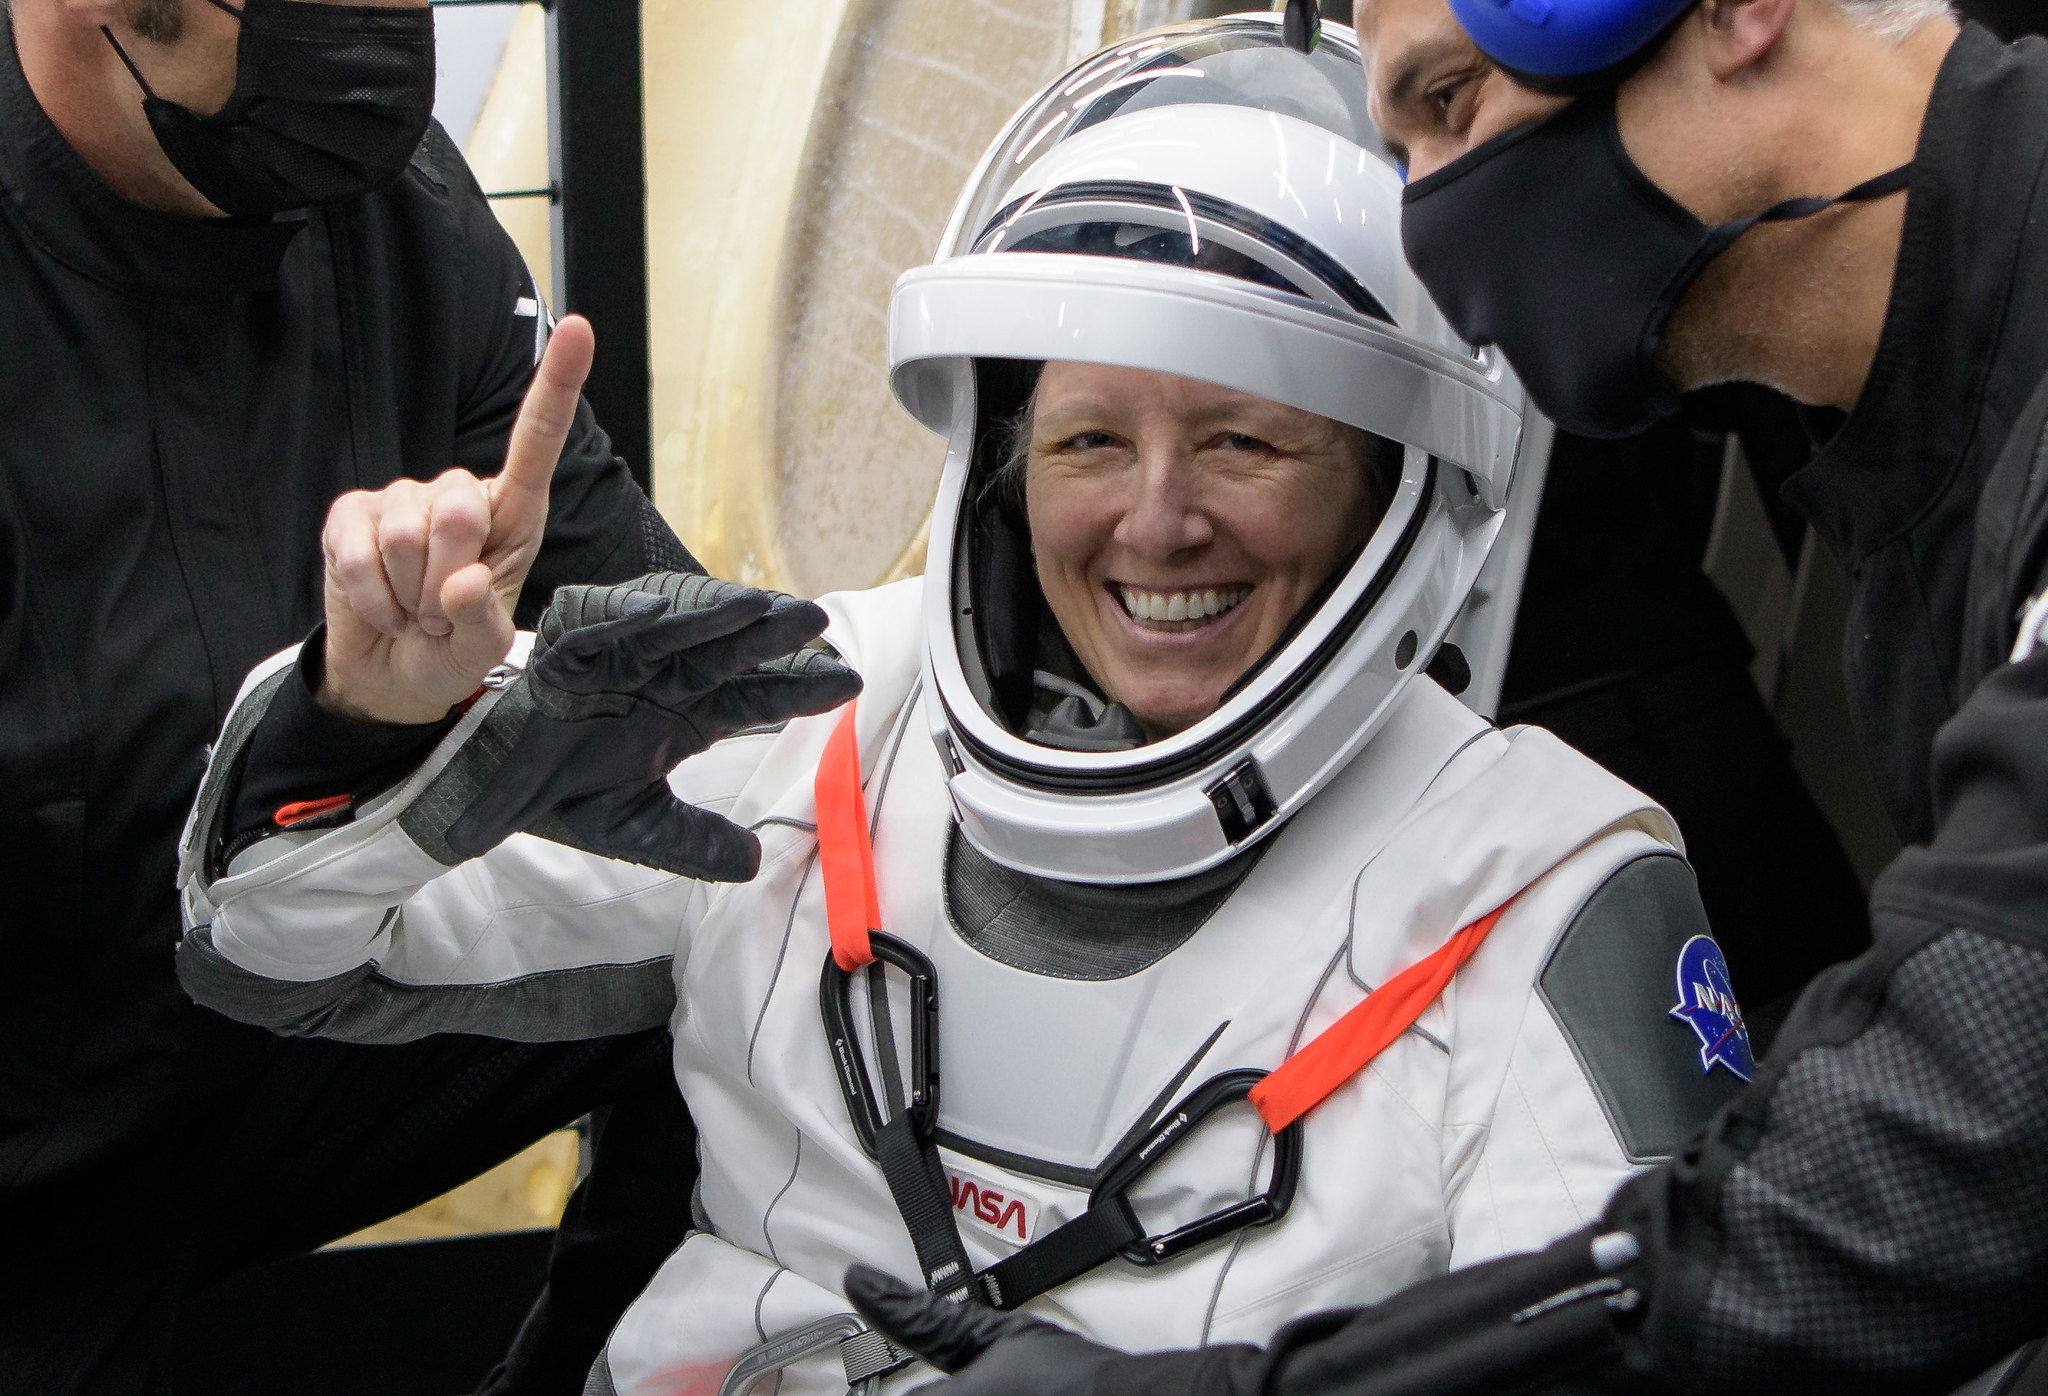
<point x="1180" y="528"/>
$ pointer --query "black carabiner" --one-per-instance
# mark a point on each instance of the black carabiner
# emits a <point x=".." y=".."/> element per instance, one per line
<point x="835" y="998"/>
<point x="901" y="1144"/>
<point x="1141" y="1155"/>
<point x="1110" y="1226"/>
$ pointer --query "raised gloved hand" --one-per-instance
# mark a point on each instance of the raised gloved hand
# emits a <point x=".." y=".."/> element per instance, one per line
<point x="624" y="682"/>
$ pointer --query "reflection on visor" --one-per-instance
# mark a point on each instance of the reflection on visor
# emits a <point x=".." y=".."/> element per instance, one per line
<point x="1171" y="246"/>
<point x="1238" y="242"/>
<point x="1249" y="66"/>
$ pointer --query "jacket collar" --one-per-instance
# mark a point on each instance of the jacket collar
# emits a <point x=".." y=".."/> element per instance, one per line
<point x="1982" y="146"/>
<point x="72" y="214"/>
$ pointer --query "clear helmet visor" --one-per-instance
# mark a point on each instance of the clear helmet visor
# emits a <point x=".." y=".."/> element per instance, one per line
<point x="1240" y="62"/>
<point x="1037" y="681"/>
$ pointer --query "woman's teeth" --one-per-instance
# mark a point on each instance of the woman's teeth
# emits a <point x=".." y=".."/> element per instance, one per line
<point x="1173" y="606"/>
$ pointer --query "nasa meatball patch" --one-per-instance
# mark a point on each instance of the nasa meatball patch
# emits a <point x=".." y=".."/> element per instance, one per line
<point x="1706" y="1004"/>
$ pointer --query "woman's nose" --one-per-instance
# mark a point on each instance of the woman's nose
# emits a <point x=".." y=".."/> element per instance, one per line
<point x="1164" y="517"/>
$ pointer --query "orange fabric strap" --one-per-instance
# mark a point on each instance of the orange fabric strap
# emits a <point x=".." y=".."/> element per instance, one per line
<point x="846" y="855"/>
<point x="1345" y="1048"/>
<point x="301" y="810"/>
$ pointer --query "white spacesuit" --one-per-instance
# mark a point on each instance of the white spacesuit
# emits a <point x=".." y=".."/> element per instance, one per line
<point x="1109" y="941"/>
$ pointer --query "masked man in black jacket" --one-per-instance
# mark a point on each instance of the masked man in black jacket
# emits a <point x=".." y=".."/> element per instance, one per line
<point x="1843" y="199"/>
<point x="182" y="394"/>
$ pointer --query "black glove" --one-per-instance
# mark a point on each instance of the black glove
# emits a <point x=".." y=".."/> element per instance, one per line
<point x="1010" y="1354"/>
<point x="1543" y="1322"/>
<point x="625" y="682"/>
<point x="1520" y="1323"/>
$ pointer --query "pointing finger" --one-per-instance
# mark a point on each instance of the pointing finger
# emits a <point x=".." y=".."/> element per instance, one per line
<point x="520" y="491"/>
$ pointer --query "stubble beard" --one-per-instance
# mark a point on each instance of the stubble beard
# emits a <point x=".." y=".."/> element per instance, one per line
<point x="159" y="21"/>
<point x="1738" y="324"/>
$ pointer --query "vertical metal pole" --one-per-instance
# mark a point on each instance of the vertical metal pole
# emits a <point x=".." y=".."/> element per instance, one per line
<point x="597" y="151"/>
<point x="556" y="277"/>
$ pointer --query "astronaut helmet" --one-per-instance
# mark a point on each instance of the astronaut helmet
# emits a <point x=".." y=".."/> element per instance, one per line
<point x="1201" y="201"/>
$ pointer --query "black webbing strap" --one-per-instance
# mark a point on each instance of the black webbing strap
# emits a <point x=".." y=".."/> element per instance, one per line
<point x="910" y="1165"/>
<point x="1065" y="1253"/>
<point x="885" y="1037"/>
<point x="869" y="1354"/>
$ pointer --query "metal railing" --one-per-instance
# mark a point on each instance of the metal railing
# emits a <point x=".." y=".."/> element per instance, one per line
<point x="597" y="187"/>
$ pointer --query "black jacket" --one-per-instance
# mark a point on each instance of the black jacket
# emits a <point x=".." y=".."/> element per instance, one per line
<point x="1872" y="1214"/>
<point x="179" y="402"/>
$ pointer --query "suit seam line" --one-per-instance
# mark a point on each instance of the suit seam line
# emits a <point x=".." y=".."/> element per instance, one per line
<point x="781" y="959"/>
<point x="796" y="1162"/>
<point x="1315" y="996"/>
<point x="1298" y="1281"/>
<point x="1543" y="1138"/>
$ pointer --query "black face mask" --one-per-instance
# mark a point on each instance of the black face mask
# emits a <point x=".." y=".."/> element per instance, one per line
<point x="330" y="101"/>
<point x="1550" y="243"/>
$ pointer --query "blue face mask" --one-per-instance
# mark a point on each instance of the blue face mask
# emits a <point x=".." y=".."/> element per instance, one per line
<point x="1549" y="242"/>
<point x="330" y="101"/>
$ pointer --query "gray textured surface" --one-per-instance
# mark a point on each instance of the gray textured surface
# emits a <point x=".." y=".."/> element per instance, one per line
<point x="1069" y="930"/>
<point x="474" y="765"/>
<point x="223" y="768"/>
<point x="1896" y="1209"/>
<point x="364" y="1006"/>
<point x="1611" y="986"/>
<point x="659" y="547"/>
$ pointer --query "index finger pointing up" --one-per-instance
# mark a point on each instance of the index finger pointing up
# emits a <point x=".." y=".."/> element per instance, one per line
<point x="547" y="413"/>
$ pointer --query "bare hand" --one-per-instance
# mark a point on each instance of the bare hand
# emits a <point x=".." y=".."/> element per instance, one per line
<point x="421" y="579"/>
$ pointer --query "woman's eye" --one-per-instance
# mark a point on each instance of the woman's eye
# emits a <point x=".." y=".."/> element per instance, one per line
<point x="1090" y="441"/>
<point x="1238" y="441"/>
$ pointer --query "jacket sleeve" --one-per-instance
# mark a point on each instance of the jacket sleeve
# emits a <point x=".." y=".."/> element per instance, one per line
<point x="601" y="527"/>
<point x="357" y="933"/>
<point x="1872" y="1215"/>
<point x="1600" y="1078"/>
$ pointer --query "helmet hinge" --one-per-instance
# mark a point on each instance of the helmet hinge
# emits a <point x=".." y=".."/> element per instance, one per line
<point x="1241" y="800"/>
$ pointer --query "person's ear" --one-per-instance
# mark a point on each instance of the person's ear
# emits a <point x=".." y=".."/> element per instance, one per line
<point x="1737" y="34"/>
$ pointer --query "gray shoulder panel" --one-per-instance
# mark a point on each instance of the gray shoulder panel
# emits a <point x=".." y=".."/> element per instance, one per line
<point x="1612" y="983"/>
<point x="362" y="1005"/>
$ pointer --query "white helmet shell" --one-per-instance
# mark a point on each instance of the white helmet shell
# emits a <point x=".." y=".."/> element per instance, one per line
<point x="1221" y="137"/>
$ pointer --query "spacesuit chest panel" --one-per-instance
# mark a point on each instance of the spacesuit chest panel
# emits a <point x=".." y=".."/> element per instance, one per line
<point x="1047" y="1074"/>
<point x="1044" y="1076"/>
